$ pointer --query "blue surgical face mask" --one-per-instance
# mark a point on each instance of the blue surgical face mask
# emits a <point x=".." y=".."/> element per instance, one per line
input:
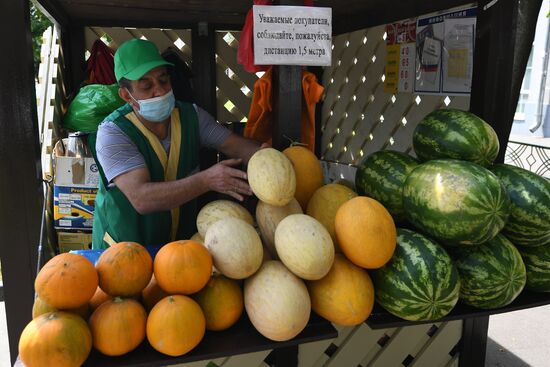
<point x="156" y="109"/>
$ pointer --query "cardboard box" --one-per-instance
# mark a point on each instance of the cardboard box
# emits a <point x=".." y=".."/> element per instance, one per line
<point x="73" y="207"/>
<point x="74" y="189"/>
<point x="70" y="241"/>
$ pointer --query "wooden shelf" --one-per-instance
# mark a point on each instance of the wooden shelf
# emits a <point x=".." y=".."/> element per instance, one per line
<point x="381" y="319"/>
<point x="239" y="339"/>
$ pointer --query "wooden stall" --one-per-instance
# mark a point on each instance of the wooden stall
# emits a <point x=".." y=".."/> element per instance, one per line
<point x="505" y="30"/>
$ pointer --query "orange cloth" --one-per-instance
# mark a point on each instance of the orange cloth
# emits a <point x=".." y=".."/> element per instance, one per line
<point x="259" y="122"/>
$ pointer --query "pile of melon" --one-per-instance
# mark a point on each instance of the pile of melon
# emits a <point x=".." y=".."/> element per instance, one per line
<point x="307" y="248"/>
<point x="471" y="230"/>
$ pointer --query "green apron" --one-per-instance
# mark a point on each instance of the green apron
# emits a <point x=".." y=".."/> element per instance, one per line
<point x="115" y="219"/>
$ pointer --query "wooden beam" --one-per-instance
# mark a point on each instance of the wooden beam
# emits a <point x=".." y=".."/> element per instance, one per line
<point x="504" y="36"/>
<point x="473" y="344"/>
<point x="53" y="11"/>
<point x="203" y="43"/>
<point x="400" y="9"/>
<point x="73" y="62"/>
<point x="287" y="99"/>
<point x="20" y="186"/>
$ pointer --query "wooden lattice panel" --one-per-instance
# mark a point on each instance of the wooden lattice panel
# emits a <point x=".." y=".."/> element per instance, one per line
<point x="429" y="345"/>
<point x="50" y="97"/>
<point x="234" y="84"/>
<point x="163" y="38"/>
<point x="358" y="117"/>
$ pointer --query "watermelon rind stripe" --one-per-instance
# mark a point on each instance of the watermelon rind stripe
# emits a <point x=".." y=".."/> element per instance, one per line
<point x="381" y="176"/>
<point x="537" y="264"/>
<point x="492" y="274"/>
<point x="529" y="222"/>
<point x="420" y="282"/>
<point x="455" y="134"/>
<point x="456" y="202"/>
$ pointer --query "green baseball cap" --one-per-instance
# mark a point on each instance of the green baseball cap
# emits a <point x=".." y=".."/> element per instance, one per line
<point x="135" y="58"/>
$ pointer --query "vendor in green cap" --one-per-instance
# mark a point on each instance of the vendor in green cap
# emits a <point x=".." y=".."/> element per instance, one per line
<point x="148" y="156"/>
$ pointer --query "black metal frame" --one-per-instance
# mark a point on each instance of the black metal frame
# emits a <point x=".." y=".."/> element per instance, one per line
<point x="499" y="64"/>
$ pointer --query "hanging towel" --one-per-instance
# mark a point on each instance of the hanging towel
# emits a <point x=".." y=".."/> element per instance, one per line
<point x="259" y="124"/>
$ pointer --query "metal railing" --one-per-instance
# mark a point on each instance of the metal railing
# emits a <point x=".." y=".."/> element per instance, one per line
<point x="535" y="158"/>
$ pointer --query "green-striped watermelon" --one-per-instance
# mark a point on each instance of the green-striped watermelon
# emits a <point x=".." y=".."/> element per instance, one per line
<point x="456" y="202"/>
<point x="450" y="133"/>
<point x="420" y="282"/>
<point x="537" y="264"/>
<point x="492" y="275"/>
<point x="529" y="222"/>
<point x="381" y="177"/>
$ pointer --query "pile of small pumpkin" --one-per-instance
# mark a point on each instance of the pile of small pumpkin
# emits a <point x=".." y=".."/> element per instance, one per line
<point x="290" y="264"/>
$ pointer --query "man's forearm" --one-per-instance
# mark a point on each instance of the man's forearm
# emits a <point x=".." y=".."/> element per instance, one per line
<point x="160" y="196"/>
<point x="238" y="147"/>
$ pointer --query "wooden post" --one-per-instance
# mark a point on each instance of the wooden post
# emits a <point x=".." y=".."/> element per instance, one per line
<point x="20" y="185"/>
<point x="203" y="41"/>
<point x="504" y="34"/>
<point x="287" y="112"/>
<point x="73" y="60"/>
<point x="287" y="99"/>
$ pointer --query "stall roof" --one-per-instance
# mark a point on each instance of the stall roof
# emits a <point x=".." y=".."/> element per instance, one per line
<point x="348" y="15"/>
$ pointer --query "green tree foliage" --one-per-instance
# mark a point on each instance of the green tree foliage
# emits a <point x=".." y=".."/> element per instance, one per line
<point x="39" y="23"/>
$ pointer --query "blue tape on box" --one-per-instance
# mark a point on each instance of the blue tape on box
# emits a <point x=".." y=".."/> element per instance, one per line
<point x="93" y="255"/>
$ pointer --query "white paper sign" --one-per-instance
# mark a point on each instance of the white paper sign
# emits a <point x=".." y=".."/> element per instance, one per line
<point x="292" y="35"/>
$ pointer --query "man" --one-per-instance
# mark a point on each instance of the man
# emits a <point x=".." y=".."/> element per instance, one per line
<point x="147" y="153"/>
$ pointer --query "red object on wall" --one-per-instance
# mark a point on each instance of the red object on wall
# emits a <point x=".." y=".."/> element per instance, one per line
<point x="100" y="67"/>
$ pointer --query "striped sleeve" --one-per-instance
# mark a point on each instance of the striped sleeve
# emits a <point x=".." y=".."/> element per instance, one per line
<point x="212" y="134"/>
<point x="116" y="152"/>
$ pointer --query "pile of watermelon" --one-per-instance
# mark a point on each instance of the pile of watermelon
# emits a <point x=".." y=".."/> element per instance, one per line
<point x="470" y="229"/>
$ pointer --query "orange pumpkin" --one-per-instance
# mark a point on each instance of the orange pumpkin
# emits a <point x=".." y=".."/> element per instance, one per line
<point x="59" y="339"/>
<point x="309" y="175"/>
<point x="175" y="325"/>
<point x="366" y="232"/>
<point x="98" y="298"/>
<point x="124" y="269"/>
<point x="221" y="301"/>
<point x="345" y="296"/>
<point x="183" y="267"/>
<point x="152" y="294"/>
<point x="118" y="326"/>
<point x="66" y="281"/>
<point x="40" y="307"/>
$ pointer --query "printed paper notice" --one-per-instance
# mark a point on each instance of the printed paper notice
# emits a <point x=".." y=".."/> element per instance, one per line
<point x="459" y="55"/>
<point x="292" y="35"/>
<point x="444" y="52"/>
<point x="400" y="55"/>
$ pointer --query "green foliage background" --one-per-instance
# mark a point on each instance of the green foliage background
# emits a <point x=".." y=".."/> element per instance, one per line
<point x="39" y="23"/>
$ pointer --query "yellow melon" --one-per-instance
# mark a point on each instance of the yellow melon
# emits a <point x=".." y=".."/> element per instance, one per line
<point x="235" y="247"/>
<point x="271" y="177"/>
<point x="309" y="175"/>
<point x="325" y="202"/>
<point x="304" y="246"/>
<point x="277" y="302"/>
<point x="345" y="295"/>
<point x="220" y="209"/>
<point x="366" y="232"/>
<point x="197" y="238"/>
<point x="268" y="217"/>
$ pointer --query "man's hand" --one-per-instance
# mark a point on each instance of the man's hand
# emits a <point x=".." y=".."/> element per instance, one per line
<point x="224" y="179"/>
